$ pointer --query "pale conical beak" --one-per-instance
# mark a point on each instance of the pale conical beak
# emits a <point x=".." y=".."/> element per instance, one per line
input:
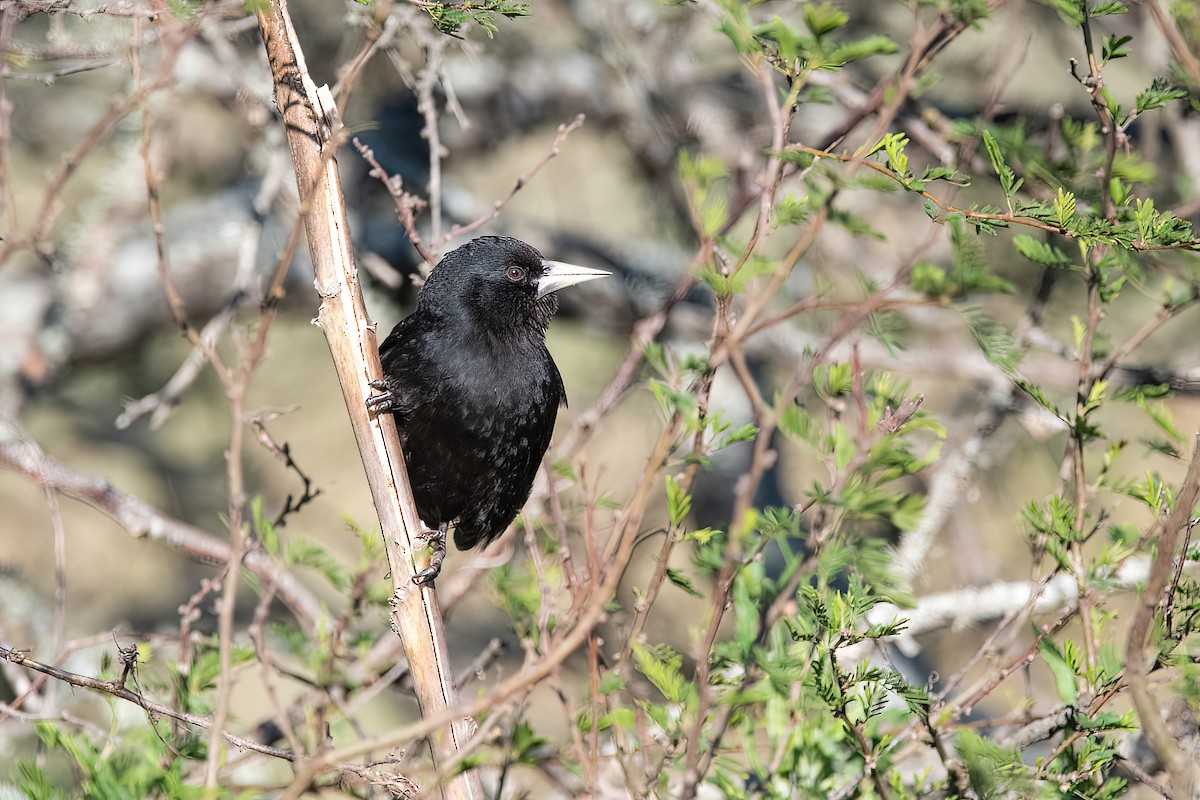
<point x="559" y="276"/>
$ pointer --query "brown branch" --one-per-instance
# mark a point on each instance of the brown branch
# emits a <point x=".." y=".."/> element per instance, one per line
<point x="427" y="107"/>
<point x="407" y="204"/>
<point x="117" y="689"/>
<point x="1148" y="328"/>
<point x="1179" y="46"/>
<point x="1138" y="662"/>
<point x="142" y="521"/>
<point x="892" y="90"/>
<point x="311" y="122"/>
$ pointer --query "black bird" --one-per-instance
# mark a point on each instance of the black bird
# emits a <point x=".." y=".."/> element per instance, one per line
<point x="473" y="388"/>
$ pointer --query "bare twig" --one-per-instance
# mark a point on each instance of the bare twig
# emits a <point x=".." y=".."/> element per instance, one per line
<point x="407" y="205"/>
<point x="117" y="689"/>
<point x="283" y="453"/>
<point x="142" y="521"/>
<point x="560" y="136"/>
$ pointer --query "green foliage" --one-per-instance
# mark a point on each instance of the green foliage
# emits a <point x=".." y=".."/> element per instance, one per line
<point x="702" y="176"/>
<point x="1040" y="252"/>
<point x="264" y="530"/>
<point x="1115" y="47"/>
<point x="994" y="771"/>
<point x="790" y="211"/>
<point x="994" y="340"/>
<point x="971" y="273"/>
<point x="517" y="589"/>
<point x="796" y="46"/>
<point x="142" y="765"/>
<point x="1009" y="182"/>
<point x="451" y="17"/>
<point x="662" y="667"/>
<point x="301" y="551"/>
<point x="776" y="672"/>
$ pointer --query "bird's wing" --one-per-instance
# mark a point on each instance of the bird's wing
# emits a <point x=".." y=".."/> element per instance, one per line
<point x="558" y="381"/>
<point x="404" y="370"/>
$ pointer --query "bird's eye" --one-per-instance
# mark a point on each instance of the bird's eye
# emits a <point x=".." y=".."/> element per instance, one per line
<point x="515" y="274"/>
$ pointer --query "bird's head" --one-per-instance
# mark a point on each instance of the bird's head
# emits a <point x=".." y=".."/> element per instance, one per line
<point x="500" y="285"/>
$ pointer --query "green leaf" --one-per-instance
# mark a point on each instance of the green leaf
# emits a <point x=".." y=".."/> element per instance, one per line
<point x="1161" y="416"/>
<point x="854" y="224"/>
<point x="1095" y="397"/>
<point x="611" y="682"/>
<point x="1009" y="181"/>
<point x="1146" y="217"/>
<point x="797" y="425"/>
<point x="929" y="279"/>
<point x="264" y="530"/>
<point x="661" y="666"/>
<point x="713" y="215"/>
<point x="301" y="551"/>
<point x="702" y="536"/>
<point x="1119" y="191"/>
<point x="745" y="611"/>
<point x="994" y="339"/>
<point x="1071" y="11"/>
<point x="735" y="23"/>
<point x="790" y="211"/>
<point x="994" y="771"/>
<point x="1158" y="94"/>
<point x="34" y="784"/>
<point x="681" y="580"/>
<point x="525" y="742"/>
<point x="894" y="145"/>
<point x="1064" y="676"/>
<point x="843" y="446"/>
<point x="620" y="717"/>
<point x="1064" y="208"/>
<point x="791" y="45"/>
<point x="823" y="18"/>
<point x="563" y="469"/>
<point x="870" y="46"/>
<point x="1078" y="330"/>
<point x="672" y="400"/>
<point x="1114" y="47"/>
<point x="1104" y="8"/>
<point x="947" y="174"/>
<point x="1129" y="167"/>
<point x="449" y="18"/>
<point x="660" y="715"/>
<point x="1035" y="392"/>
<point x="1040" y="252"/>
<point x="679" y="503"/>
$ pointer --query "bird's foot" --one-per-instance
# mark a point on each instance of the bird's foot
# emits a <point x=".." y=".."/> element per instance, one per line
<point x="435" y="541"/>
<point x="383" y="402"/>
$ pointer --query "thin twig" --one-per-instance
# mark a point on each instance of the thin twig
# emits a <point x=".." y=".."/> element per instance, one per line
<point x="560" y="136"/>
<point x="22" y="659"/>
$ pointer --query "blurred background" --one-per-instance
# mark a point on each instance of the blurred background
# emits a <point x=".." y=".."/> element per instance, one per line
<point x="86" y="333"/>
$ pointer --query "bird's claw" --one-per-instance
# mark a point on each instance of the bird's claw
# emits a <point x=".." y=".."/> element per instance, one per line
<point x="382" y="402"/>
<point x="435" y="540"/>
